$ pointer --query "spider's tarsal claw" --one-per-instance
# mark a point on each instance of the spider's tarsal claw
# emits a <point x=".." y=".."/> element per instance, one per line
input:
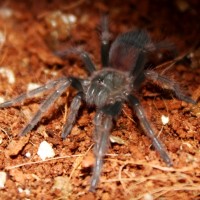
<point x="93" y="184"/>
<point x="189" y="100"/>
<point x="161" y="150"/>
<point x="25" y="130"/>
<point x="6" y="104"/>
<point x="66" y="131"/>
<point x="169" y="163"/>
<point x="74" y="108"/>
<point x="166" y="158"/>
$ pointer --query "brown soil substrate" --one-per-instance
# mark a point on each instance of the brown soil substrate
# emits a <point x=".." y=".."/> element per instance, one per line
<point x="132" y="169"/>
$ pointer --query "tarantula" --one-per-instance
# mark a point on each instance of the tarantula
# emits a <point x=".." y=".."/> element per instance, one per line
<point x="107" y="89"/>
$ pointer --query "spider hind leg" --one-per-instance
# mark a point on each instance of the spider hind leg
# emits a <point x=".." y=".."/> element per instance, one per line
<point x="170" y="84"/>
<point x="148" y="130"/>
<point x="103" y="122"/>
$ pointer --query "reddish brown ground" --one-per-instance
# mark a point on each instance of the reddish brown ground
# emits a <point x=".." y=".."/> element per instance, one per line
<point x="132" y="170"/>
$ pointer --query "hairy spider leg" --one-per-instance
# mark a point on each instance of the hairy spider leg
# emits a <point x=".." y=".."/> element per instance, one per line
<point x="104" y="131"/>
<point x="134" y="102"/>
<point x="110" y="109"/>
<point x="170" y="84"/>
<point x="76" y="83"/>
<point x="74" y="108"/>
<point x="32" y="93"/>
<point x="103" y="125"/>
<point x="105" y="47"/>
<point x="64" y="84"/>
<point x="137" y="72"/>
<point x="105" y="42"/>
<point x="88" y="64"/>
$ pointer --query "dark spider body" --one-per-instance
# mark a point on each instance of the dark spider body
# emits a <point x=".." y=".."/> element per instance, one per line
<point x="108" y="86"/>
<point x="107" y="89"/>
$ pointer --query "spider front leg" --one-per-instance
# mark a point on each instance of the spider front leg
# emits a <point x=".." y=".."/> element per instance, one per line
<point x="62" y="83"/>
<point x="169" y="84"/>
<point x="32" y="93"/>
<point x="148" y="130"/>
<point x="103" y="123"/>
<point x="74" y="108"/>
<point x="89" y="65"/>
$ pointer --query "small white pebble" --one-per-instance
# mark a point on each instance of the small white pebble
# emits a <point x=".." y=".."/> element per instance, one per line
<point x="45" y="150"/>
<point x="1" y="140"/>
<point x="8" y="74"/>
<point x="116" y="139"/>
<point x="32" y="86"/>
<point x="2" y="38"/>
<point x="69" y="18"/>
<point x="6" y="12"/>
<point x="164" y="119"/>
<point x="20" y="190"/>
<point x="148" y="196"/>
<point x="27" y="191"/>
<point x="28" y="154"/>
<point x="2" y="100"/>
<point x="2" y="179"/>
<point x="187" y="144"/>
<point x="53" y="73"/>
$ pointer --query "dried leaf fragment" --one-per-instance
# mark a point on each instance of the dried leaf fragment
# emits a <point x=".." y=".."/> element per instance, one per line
<point x="116" y="139"/>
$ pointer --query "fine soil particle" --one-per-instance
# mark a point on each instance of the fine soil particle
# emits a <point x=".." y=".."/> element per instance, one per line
<point x="30" y="34"/>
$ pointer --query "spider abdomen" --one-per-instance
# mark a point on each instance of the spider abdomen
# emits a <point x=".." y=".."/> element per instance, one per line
<point x="108" y="86"/>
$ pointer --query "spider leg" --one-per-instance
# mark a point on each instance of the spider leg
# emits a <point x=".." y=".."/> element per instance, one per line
<point x="89" y="65"/>
<point x="74" y="108"/>
<point x="105" y="38"/>
<point x="137" y="71"/>
<point x="170" y="84"/>
<point x="46" y="104"/>
<point x="112" y="110"/>
<point x="103" y="125"/>
<point x="165" y="45"/>
<point x="104" y="128"/>
<point x="32" y="93"/>
<point x="148" y="130"/>
<point x="87" y="61"/>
